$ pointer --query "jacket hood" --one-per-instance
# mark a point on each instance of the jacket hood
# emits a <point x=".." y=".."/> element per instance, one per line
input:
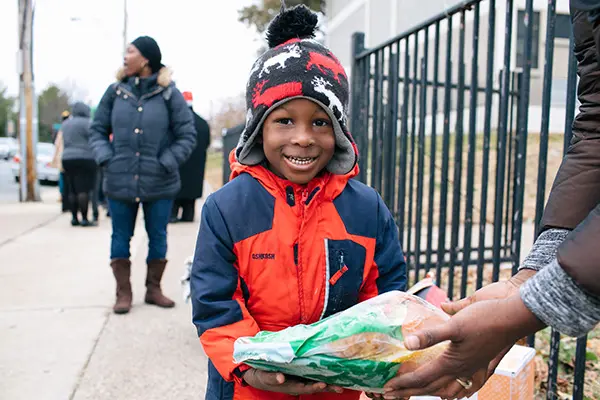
<point x="330" y="185"/>
<point x="81" y="110"/>
<point x="164" y="77"/>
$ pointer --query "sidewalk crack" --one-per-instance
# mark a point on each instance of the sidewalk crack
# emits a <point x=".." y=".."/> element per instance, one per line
<point x="34" y="228"/>
<point x="89" y="359"/>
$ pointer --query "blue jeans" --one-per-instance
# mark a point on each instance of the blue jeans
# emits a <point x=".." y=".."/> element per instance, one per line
<point x="156" y="218"/>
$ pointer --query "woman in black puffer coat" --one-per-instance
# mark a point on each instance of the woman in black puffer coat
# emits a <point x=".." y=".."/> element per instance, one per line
<point x="153" y="134"/>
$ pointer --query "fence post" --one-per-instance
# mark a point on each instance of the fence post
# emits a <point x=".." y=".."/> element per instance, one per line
<point x="502" y="133"/>
<point x="358" y="114"/>
<point x="392" y="127"/>
<point x="522" y="133"/>
<point x="546" y="103"/>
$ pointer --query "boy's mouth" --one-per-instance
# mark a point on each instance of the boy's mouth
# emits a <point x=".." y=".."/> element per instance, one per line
<point x="301" y="161"/>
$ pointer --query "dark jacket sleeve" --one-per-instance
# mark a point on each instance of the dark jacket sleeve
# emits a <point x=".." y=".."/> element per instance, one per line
<point x="182" y="127"/>
<point x="576" y="189"/>
<point x="101" y="128"/>
<point x="218" y="307"/>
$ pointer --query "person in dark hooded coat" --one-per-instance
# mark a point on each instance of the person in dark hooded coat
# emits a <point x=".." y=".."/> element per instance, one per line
<point x="78" y="162"/>
<point x="192" y="171"/>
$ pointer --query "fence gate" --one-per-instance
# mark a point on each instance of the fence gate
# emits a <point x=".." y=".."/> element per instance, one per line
<point x="440" y="117"/>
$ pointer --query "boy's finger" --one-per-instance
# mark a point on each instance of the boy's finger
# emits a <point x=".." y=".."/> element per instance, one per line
<point x="270" y="378"/>
<point x="308" y="388"/>
<point x="280" y="378"/>
<point x="335" y="389"/>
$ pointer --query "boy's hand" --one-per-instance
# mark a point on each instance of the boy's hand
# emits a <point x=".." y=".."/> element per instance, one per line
<point x="278" y="382"/>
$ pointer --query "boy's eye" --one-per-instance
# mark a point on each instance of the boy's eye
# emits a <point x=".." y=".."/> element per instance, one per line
<point x="321" y="122"/>
<point x="284" y="121"/>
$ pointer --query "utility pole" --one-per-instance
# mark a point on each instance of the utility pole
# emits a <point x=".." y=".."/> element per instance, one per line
<point x="27" y="129"/>
<point x="124" y="28"/>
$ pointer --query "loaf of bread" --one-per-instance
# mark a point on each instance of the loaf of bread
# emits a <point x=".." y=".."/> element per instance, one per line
<point x="360" y="348"/>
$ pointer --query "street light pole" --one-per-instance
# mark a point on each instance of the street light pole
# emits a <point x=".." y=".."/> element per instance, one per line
<point x="28" y="141"/>
<point x="124" y="27"/>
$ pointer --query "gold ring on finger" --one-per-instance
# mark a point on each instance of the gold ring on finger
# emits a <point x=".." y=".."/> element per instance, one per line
<point x="466" y="383"/>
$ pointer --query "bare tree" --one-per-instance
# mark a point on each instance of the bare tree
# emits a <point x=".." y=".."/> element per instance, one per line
<point x="232" y="112"/>
<point x="73" y="90"/>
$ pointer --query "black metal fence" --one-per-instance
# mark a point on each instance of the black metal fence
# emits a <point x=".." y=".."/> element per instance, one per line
<point x="440" y="114"/>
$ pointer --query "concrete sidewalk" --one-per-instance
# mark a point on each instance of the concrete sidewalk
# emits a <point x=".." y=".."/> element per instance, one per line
<point x="59" y="338"/>
<point x="19" y="218"/>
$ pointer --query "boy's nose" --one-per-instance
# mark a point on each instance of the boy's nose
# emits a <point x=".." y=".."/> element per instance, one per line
<point x="303" y="137"/>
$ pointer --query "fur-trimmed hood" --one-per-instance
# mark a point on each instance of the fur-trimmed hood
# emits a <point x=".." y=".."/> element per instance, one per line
<point x="164" y="77"/>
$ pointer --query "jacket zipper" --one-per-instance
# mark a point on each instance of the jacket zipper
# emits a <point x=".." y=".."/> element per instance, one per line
<point x="154" y="92"/>
<point x="303" y="207"/>
<point x="128" y="93"/>
<point x="142" y="97"/>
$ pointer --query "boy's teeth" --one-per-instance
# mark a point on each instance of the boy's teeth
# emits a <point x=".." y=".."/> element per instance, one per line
<point x="301" y="161"/>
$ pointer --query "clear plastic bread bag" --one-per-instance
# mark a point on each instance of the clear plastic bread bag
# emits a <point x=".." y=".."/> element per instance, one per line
<point x="360" y="348"/>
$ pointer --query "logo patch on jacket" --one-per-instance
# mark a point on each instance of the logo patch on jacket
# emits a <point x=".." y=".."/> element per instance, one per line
<point x="263" y="256"/>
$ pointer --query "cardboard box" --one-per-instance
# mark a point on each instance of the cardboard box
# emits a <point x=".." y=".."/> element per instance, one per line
<point x="512" y="380"/>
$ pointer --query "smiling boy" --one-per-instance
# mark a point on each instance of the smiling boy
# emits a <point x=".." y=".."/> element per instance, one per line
<point x="292" y="238"/>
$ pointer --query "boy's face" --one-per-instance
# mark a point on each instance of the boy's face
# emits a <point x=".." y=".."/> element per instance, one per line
<point x="298" y="140"/>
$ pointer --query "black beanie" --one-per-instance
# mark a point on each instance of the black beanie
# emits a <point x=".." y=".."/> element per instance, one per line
<point x="150" y="50"/>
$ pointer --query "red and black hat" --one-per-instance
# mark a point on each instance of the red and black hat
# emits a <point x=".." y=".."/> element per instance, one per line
<point x="297" y="66"/>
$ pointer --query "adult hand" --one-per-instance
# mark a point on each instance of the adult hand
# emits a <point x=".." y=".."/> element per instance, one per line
<point x="278" y="382"/>
<point x="498" y="290"/>
<point x="478" y="334"/>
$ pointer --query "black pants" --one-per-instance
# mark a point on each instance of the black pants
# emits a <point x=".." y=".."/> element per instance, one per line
<point x="96" y="195"/>
<point x="80" y="176"/>
<point x="188" y="209"/>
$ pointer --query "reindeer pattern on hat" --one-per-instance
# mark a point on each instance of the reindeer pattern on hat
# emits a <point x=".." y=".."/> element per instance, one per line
<point x="280" y="59"/>
<point x="297" y="68"/>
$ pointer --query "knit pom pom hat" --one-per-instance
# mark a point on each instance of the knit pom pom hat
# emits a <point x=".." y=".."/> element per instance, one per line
<point x="297" y="66"/>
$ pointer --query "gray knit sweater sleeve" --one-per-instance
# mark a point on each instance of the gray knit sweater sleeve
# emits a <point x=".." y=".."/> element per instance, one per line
<point x="556" y="299"/>
<point x="544" y="249"/>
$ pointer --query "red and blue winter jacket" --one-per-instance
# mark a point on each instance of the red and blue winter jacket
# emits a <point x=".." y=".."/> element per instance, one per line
<point x="272" y="254"/>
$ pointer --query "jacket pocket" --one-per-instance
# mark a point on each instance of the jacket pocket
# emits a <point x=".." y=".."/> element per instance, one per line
<point x="117" y="164"/>
<point x="345" y="261"/>
<point x="154" y="167"/>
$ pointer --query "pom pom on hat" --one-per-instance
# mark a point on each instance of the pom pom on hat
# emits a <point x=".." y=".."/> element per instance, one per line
<point x="296" y="22"/>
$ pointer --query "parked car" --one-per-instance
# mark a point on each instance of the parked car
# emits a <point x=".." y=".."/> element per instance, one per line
<point x="45" y="172"/>
<point x="8" y="148"/>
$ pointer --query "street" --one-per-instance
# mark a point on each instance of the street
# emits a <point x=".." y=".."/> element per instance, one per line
<point x="60" y="339"/>
<point x="9" y="189"/>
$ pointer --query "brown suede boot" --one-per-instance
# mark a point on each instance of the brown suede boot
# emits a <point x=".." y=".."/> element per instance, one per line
<point x="122" y="270"/>
<point x="154" y="294"/>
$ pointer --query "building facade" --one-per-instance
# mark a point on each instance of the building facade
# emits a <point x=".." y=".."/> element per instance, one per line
<point x="381" y="20"/>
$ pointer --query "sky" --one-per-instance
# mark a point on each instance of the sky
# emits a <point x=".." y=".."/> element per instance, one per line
<point x="79" y="43"/>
